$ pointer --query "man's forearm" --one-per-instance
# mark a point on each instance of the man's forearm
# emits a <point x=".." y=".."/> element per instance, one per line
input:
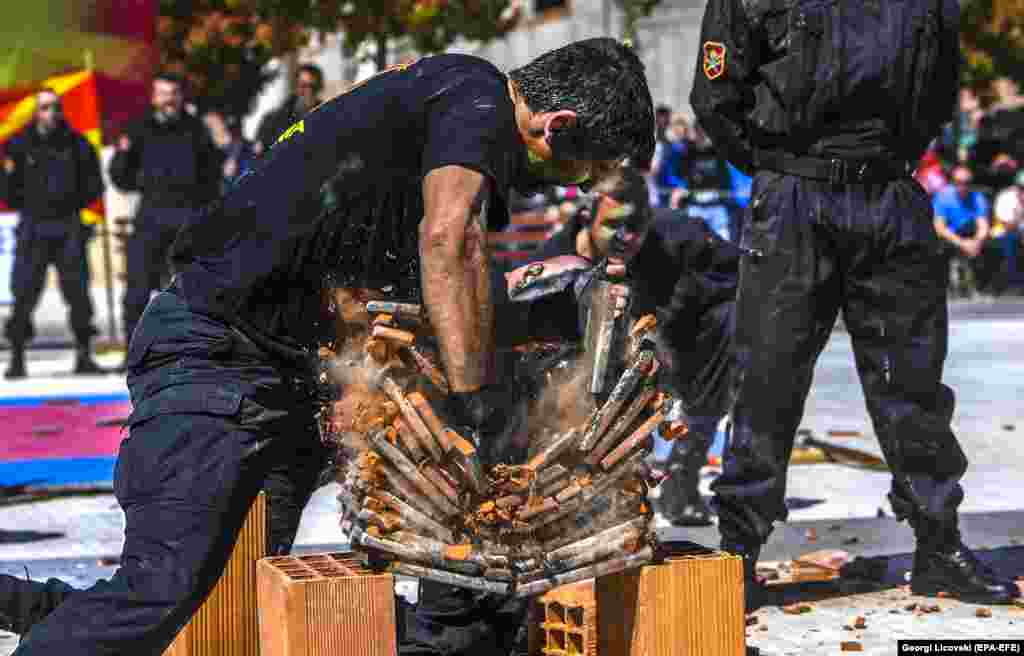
<point x="456" y="275"/>
<point x="456" y="290"/>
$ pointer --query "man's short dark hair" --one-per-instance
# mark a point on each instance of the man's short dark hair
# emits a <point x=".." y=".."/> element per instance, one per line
<point x="173" y="78"/>
<point x="663" y="110"/>
<point x="601" y="80"/>
<point x="316" y="72"/>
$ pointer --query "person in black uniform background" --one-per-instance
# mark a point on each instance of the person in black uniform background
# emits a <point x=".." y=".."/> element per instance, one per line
<point x="831" y="105"/>
<point x="309" y="84"/>
<point x="170" y="157"/>
<point x="222" y="367"/>
<point x="51" y="173"/>
<point x="689" y="282"/>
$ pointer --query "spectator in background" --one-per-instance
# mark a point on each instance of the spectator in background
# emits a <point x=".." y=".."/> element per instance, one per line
<point x="962" y="218"/>
<point x="669" y="160"/>
<point x="1008" y="212"/>
<point x="309" y="84"/>
<point x="930" y="173"/>
<point x="958" y="147"/>
<point x="237" y="152"/>
<point x="50" y="174"/>
<point x="662" y="119"/>
<point x="708" y="191"/>
<point x="999" y="151"/>
<point x="169" y="157"/>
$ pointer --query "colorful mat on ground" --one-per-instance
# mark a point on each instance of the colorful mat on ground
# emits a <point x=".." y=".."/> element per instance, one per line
<point x="58" y="442"/>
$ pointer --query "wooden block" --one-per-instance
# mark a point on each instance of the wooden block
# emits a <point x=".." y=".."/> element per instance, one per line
<point x="689" y="605"/>
<point x="325" y="605"/>
<point x="226" y="623"/>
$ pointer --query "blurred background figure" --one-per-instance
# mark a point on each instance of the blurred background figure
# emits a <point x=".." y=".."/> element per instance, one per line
<point x="999" y="148"/>
<point x="170" y="158"/>
<point x="237" y="152"/>
<point x="963" y="219"/>
<point x="669" y="160"/>
<point x="1008" y="220"/>
<point x="50" y="174"/>
<point x="309" y="85"/>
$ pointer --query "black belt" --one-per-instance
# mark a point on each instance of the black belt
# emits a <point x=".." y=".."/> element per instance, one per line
<point x="836" y="171"/>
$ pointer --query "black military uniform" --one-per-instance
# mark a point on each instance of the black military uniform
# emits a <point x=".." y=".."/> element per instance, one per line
<point x="220" y="368"/>
<point x="831" y="104"/>
<point x="177" y="167"/>
<point x="50" y="178"/>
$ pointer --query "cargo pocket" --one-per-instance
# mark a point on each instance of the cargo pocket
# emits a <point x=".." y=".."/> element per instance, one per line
<point x="150" y="451"/>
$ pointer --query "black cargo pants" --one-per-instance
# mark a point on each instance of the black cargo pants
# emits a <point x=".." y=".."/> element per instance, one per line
<point x="40" y="244"/>
<point x="211" y="427"/>
<point x="870" y="251"/>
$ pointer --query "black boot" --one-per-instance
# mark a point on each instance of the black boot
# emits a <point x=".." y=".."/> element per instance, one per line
<point x="16" y="369"/>
<point x="755" y="593"/>
<point x="943" y="563"/>
<point x="84" y="364"/>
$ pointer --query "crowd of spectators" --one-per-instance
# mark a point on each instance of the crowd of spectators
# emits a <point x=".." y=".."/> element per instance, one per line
<point x="975" y="175"/>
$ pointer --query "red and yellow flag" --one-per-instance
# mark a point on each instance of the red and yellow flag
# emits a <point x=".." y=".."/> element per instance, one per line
<point x="80" y="101"/>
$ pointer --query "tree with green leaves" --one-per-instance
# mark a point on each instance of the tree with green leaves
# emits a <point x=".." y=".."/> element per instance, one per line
<point x="427" y="25"/>
<point x="992" y="37"/>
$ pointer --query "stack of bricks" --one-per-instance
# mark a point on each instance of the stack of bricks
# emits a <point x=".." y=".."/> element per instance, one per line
<point x="564" y="621"/>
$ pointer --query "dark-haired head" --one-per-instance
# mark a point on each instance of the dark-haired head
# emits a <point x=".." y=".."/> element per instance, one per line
<point x="587" y="102"/>
<point x="168" y="95"/>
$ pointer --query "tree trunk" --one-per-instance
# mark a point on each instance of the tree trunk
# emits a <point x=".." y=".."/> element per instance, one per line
<point x="380" y="58"/>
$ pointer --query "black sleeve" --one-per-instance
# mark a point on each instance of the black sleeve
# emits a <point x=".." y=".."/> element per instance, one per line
<point x="468" y="125"/>
<point x="722" y="100"/>
<point x="90" y="178"/>
<point x="124" y="167"/>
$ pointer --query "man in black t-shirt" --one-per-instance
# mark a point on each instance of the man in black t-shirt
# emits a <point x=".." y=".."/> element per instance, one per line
<point x="220" y="366"/>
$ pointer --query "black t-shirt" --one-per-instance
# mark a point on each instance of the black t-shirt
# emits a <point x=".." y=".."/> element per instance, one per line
<point x="261" y="256"/>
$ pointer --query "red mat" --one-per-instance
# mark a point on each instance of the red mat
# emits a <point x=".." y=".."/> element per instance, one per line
<point x="61" y="430"/>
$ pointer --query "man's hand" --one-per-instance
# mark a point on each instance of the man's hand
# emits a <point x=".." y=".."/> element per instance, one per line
<point x="8" y="165"/>
<point x="124" y="144"/>
<point x="678" y="196"/>
<point x="971" y="247"/>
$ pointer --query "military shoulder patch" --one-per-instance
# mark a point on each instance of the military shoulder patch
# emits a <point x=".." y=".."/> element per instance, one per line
<point x="714" y="59"/>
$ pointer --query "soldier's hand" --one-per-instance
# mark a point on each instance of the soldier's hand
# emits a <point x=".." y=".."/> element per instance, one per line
<point x="124" y="143"/>
<point x="8" y="165"/>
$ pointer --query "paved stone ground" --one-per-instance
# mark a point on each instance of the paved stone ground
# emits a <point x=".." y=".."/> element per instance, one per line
<point x="985" y="367"/>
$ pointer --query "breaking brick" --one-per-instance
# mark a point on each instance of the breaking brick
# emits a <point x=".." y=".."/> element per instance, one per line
<point x="851" y="646"/>
<point x="797" y="609"/>
<point x="983" y="612"/>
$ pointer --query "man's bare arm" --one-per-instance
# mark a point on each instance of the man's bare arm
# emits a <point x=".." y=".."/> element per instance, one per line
<point x="456" y="273"/>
